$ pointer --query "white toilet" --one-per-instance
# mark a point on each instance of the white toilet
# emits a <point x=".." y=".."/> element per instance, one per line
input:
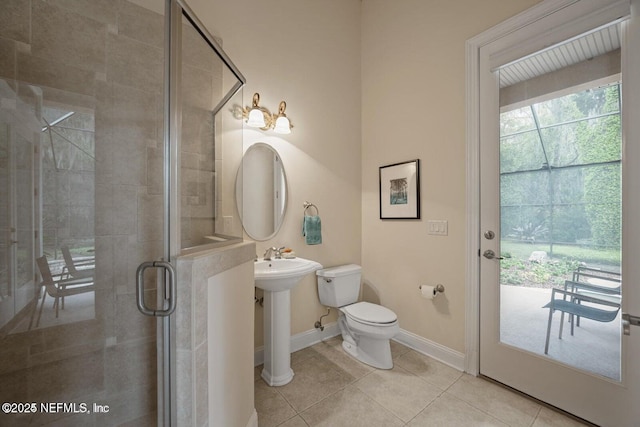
<point x="366" y="328"/>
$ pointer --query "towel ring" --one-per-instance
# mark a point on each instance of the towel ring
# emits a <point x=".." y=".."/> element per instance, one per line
<point x="308" y="205"/>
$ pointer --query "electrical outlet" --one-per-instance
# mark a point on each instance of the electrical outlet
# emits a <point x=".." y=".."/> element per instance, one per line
<point x="438" y="227"/>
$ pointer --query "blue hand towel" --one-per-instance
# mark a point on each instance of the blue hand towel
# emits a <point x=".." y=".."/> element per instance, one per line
<point x="311" y="229"/>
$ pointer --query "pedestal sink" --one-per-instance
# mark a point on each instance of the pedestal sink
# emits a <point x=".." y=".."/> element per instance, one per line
<point x="277" y="277"/>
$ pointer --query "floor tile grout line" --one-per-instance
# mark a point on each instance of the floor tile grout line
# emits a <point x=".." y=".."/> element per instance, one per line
<point x="425" y="408"/>
<point x="322" y="399"/>
<point x="440" y="392"/>
<point x="343" y="369"/>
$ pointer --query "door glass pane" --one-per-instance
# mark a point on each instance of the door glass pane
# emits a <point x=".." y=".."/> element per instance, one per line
<point x="560" y="205"/>
<point x="81" y="205"/>
<point x="209" y="133"/>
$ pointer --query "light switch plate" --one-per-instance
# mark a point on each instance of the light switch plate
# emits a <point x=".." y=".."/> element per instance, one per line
<point x="438" y="227"/>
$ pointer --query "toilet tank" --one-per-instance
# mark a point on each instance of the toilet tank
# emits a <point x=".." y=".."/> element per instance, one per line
<point x="339" y="286"/>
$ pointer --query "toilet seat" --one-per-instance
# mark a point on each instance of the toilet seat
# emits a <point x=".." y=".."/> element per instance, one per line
<point x="370" y="314"/>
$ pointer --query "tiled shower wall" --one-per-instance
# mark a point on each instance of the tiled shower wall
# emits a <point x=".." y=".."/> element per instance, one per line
<point x="100" y="57"/>
<point x="201" y="89"/>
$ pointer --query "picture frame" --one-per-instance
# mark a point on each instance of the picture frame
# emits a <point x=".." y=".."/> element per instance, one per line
<point x="400" y="190"/>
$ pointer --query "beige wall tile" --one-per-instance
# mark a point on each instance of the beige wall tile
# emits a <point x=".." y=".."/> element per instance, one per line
<point x="130" y="365"/>
<point x="197" y="52"/>
<point x="130" y="323"/>
<point x="155" y="171"/>
<point x="197" y="88"/>
<point x="197" y="130"/>
<point x="67" y="379"/>
<point x="15" y="20"/>
<point x="134" y="64"/>
<point x="8" y="55"/>
<point x="202" y="384"/>
<point x="150" y="217"/>
<point x="185" y="403"/>
<point x="184" y="317"/>
<point x="124" y="210"/>
<point x="103" y="11"/>
<point x="67" y="37"/>
<point x="133" y="406"/>
<point x="46" y="72"/>
<point x="140" y="24"/>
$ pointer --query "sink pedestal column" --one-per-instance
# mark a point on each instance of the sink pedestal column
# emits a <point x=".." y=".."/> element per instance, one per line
<point x="277" y="338"/>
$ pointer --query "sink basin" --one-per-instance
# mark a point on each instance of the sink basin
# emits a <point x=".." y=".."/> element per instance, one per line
<point x="282" y="274"/>
<point x="277" y="277"/>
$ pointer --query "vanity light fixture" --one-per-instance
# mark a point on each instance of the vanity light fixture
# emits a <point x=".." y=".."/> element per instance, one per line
<point x="260" y="117"/>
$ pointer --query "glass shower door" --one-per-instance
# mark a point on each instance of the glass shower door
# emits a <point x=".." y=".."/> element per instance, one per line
<point x="82" y="204"/>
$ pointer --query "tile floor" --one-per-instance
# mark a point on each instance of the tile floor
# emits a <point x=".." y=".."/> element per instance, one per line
<point x="332" y="389"/>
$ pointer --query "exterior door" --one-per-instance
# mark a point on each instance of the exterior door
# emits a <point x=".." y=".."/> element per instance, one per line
<point x="559" y="170"/>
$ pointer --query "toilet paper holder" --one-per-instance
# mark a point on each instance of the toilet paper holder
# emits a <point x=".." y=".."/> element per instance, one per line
<point x="438" y="288"/>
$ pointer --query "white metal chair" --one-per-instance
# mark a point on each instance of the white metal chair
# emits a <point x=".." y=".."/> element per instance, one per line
<point x="58" y="287"/>
<point x="77" y="270"/>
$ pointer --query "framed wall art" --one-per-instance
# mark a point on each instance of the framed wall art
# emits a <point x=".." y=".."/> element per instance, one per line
<point x="400" y="190"/>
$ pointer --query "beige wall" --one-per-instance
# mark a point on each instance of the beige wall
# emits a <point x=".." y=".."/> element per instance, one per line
<point x="352" y="74"/>
<point x="413" y="106"/>
<point x="306" y="53"/>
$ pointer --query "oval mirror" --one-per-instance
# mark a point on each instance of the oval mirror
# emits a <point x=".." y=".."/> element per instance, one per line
<point x="261" y="191"/>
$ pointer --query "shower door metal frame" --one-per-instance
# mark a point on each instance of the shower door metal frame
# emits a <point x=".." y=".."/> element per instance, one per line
<point x="174" y="11"/>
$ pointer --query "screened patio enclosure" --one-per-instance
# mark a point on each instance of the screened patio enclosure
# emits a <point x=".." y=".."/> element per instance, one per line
<point x="560" y="173"/>
<point x="560" y="212"/>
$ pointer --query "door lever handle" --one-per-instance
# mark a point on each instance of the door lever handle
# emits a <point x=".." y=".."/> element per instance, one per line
<point x="627" y="321"/>
<point x="489" y="254"/>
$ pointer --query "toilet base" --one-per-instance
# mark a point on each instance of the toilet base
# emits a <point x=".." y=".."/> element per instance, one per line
<point x="373" y="352"/>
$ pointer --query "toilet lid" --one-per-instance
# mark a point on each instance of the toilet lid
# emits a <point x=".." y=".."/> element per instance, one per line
<point x="372" y="313"/>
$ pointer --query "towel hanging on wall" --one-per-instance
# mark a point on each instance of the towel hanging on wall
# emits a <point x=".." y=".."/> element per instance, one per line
<point x="311" y="226"/>
<point x="312" y="230"/>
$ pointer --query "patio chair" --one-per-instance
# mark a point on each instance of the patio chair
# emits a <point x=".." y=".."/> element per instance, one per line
<point x="595" y="282"/>
<point x="571" y="303"/>
<point x="75" y="269"/>
<point x="58" y="287"/>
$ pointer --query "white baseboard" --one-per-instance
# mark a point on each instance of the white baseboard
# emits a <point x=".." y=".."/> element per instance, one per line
<point x="302" y="340"/>
<point x="450" y="357"/>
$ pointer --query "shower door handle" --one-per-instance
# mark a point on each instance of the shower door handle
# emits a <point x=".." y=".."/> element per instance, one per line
<point x="170" y="291"/>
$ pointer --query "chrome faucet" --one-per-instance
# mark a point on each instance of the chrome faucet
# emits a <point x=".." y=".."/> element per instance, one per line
<point x="275" y="252"/>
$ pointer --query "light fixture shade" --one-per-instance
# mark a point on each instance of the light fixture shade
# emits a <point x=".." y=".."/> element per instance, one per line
<point x="256" y="118"/>
<point x="282" y="125"/>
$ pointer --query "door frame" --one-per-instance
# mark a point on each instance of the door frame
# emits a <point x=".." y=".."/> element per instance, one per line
<point x="506" y="35"/>
<point x="530" y="30"/>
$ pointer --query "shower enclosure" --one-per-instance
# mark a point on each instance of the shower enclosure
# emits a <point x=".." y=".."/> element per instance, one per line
<point x="112" y="136"/>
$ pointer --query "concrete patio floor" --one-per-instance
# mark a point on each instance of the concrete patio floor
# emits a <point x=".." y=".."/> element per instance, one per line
<point x="594" y="347"/>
